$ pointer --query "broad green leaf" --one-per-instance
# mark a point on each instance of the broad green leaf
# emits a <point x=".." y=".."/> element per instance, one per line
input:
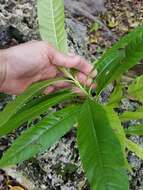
<point x="51" y="23"/>
<point x="40" y="137"/>
<point x="136" y="89"/>
<point x="135" y="148"/>
<point x="126" y="116"/>
<point x="116" y="96"/>
<point x="134" y="130"/>
<point x="118" y="129"/>
<point x="115" y="123"/>
<point x="122" y="56"/>
<point x="38" y="99"/>
<point x="21" y="100"/>
<point x="100" y="149"/>
<point x="33" y="112"/>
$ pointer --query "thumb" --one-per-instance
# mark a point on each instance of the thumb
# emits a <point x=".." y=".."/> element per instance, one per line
<point x="72" y="61"/>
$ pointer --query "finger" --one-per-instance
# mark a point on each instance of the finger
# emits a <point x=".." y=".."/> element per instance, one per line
<point x="84" y="79"/>
<point x="62" y="85"/>
<point x="49" y="72"/>
<point x="75" y="62"/>
<point x="78" y="91"/>
<point x="93" y="74"/>
<point x="49" y="90"/>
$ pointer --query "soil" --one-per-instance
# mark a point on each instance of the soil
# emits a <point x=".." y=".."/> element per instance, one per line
<point x="59" y="168"/>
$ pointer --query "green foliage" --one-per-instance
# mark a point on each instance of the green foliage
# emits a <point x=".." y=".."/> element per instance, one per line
<point x="133" y="147"/>
<point x="116" y="96"/>
<point x="101" y="137"/>
<point x="51" y="23"/>
<point x="105" y="168"/>
<point x="134" y="130"/>
<point x="118" y="129"/>
<point x="33" y="112"/>
<point x="121" y="57"/>
<point x="136" y="89"/>
<point x="116" y="125"/>
<point x="41" y="136"/>
<point x="126" y="116"/>
<point x="20" y="101"/>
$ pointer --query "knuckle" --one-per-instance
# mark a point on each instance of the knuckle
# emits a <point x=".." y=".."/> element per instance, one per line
<point x="77" y="61"/>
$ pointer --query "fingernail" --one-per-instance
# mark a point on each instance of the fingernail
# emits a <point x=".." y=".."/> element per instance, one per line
<point x="94" y="73"/>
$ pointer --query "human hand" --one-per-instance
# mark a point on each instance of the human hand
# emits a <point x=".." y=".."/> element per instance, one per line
<point x="35" y="61"/>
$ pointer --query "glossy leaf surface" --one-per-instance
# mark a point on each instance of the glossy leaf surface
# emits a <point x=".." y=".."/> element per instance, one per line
<point x="14" y="106"/>
<point x="33" y="112"/>
<point x="122" y="56"/>
<point x="104" y="168"/>
<point x="40" y="137"/>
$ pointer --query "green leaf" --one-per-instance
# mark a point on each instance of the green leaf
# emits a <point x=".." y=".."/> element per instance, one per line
<point x="19" y="102"/>
<point x="33" y="112"/>
<point x="51" y="23"/>
<point x="100" y="150"/>
<point x="136" y="89"/>
<point x="133" y="147"/>
<point x="38" y="99"/>
<point x="126" y="116"/>
<point x="134" y="130"/>
<point x="40" y="137"/>
<point x="115" y="123"/>
<point x="121" y="57"/>
<point x="12" y="108"/>
<point x="116" y="96"/>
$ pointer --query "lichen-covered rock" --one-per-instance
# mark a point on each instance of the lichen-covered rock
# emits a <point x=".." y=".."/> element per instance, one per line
<point x="20" y="14"/>
<point x="58" y="168"/>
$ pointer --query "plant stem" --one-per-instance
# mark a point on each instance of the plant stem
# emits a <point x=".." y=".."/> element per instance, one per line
<point x="75" y="81"/>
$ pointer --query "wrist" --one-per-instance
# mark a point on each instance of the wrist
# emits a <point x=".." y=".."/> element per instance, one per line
<point x="3" y="69"/>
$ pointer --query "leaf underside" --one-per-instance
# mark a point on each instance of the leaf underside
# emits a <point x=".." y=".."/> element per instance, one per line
<point x="51" y="23"/>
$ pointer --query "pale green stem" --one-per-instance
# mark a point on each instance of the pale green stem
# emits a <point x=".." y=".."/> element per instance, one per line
<point x="75" y="81"/>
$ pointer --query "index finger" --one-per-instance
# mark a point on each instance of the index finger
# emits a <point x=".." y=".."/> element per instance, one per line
<point x="75" y="62"/>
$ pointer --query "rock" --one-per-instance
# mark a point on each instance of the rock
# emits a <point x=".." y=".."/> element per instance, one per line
<point x="20" y="178"/>
<point x="82" y="6"/>
<point x="57" y="168"/>
<point x="21" y="15"/>
<point x="77" y="36"/>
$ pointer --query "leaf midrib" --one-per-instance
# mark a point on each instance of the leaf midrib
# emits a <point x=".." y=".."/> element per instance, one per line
<point x="99" y="152"/>
<point x="54" y="26"/>
<point x="46" y="129"/>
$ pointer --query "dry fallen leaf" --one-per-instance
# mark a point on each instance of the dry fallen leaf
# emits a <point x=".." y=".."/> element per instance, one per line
<point x="15" y="188"/>
<point x="112" y="22"/>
